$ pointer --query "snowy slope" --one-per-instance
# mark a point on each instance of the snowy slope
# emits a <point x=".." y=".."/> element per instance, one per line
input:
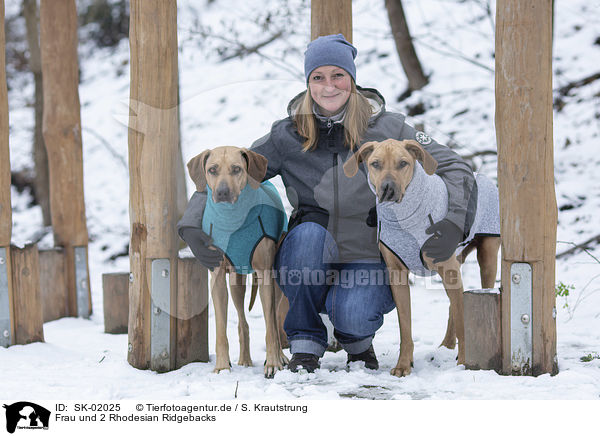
<point x="235" y="102"/>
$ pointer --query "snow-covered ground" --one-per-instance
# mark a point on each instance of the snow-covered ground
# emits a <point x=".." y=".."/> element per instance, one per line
<point x="235" y="102"/>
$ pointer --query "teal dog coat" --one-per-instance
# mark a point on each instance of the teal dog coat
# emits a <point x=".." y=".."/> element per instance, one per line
<point x="238" y="228"/>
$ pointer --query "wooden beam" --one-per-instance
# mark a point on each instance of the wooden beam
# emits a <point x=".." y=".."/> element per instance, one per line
<point x="29" y="322"/>
<point x="153" y="138"/>
<point x="192" y="312"/>
<point x="5" y="204"/>
<point x="483" y="335"/>
<point x="55" y="299"/>
<point x="62" y="136"/>
<point x="115" y="292"/>
<point x="525" y="168"/>
<point x="331" y="17"/>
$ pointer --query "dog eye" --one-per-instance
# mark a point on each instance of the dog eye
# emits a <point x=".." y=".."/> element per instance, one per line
<point x="376" y="165"/>
<point x="236" y="170"/>
<point x="402" y="164"/>
<point x="212" y="171"/>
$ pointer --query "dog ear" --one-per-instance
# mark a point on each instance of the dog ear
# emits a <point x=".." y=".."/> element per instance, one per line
<point x="351" y="165"/>
<point x="197" y="169"/>
<point x="427" y="160"/>
<point x="257" y="167"/>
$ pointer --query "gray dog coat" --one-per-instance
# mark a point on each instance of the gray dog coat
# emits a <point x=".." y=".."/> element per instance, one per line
<point x="401" y="226"/>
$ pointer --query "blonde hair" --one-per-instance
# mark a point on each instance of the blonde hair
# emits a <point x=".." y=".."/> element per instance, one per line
<point x="356" y="120"/>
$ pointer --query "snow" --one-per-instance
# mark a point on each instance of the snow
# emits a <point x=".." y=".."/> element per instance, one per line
<point x="235" y="102"/>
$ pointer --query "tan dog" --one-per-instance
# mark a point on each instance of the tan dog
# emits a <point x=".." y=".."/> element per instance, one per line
<point x="227" y="170"/>
<point x="391" y="166"/>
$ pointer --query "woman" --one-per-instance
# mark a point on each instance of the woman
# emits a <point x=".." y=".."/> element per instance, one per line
<point x="329" y="261"/>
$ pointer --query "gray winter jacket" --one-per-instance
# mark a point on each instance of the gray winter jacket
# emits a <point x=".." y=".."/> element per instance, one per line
<point x="319" y="191"/>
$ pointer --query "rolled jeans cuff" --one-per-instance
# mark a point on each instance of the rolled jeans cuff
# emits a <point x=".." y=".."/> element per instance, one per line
<point x="358" y="346"/>
<point x="306" y="346"/>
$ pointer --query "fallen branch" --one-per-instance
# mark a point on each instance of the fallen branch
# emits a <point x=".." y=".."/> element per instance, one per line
<point x="582" y="246"/>
<point x="564" y="90"/>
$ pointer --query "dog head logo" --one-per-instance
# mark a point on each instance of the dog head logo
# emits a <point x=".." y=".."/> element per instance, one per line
<point x="26" y="415"/>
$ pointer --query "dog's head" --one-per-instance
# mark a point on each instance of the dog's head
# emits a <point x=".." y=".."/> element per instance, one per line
<point x="227" y="170"/>
<point x="391" y="165"/>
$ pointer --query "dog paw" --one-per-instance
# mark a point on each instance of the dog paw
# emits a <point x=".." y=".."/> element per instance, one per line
<point x="400" y="371"/>
<point x="449" y="343"/>
<point x="245" y="361"/>
<point x="221" y="366"/>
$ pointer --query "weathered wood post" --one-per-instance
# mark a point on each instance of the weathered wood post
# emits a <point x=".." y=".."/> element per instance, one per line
<point x="153" y="136"/>
<point x="62" y="135"/>
<point x="526" y="184"/>
<point x="7" y="327"/>
<point x="330" y="17"/>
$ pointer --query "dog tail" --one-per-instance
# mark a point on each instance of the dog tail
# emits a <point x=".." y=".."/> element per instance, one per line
<point x="254" y="290"/>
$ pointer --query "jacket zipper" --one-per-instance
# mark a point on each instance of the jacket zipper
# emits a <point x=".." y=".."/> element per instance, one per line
<point x="335" y="196"/>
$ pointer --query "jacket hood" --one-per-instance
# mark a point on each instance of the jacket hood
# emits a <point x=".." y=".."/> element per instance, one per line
<point x="375" y="99"/>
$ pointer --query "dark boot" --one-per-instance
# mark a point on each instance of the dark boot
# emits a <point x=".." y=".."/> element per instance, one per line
<point x="309" y="362"/>
<point x="367" y="356"/>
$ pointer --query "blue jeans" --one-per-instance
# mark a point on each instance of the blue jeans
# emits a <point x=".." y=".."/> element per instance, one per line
<point x="355" y="295"/>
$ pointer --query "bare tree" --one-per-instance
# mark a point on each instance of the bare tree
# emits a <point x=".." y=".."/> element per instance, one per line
<point x="40" y="157"/>
<point x="404" y="45"/>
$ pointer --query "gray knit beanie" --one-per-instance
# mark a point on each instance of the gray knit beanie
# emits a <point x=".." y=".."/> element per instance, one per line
<point x="330" y="50"/>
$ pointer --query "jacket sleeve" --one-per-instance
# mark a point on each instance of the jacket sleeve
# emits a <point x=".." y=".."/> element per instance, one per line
<point x="268" y="146"/>
<point x="456" y="174"/>
<point x="192" y="217"/>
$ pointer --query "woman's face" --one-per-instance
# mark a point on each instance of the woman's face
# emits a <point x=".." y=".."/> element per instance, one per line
<point x="330" y="88"/>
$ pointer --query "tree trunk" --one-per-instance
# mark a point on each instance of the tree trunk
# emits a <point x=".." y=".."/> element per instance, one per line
<point x="404" y="45"/>
<point x="40" y="157"/>
<point x="528" y="213"/>
<point x="331" y="17"/>
<point x="153" y="138"/>
<point x="62" y="135"/>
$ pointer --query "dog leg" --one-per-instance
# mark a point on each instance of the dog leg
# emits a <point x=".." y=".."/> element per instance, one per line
<point x="237" y="284"/>
<point x="401" y="294"/>
<point x="450" y="337"/>
<point x="262" y="262"/>
<point x="283" y="305"/>
<point x="452" y="280"/>
<point x="218" y="291"/>
<point x="487" y="257"/>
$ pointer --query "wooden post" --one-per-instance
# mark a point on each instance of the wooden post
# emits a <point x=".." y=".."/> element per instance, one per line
<point x="483" y="335"/>
<point x="153" y="137"/>
<point x="115" y="292"/>
<point x="7" y="327"/>
<point x="331" y="17"/>
<point x="55" y="300"/>
<point x="62" y="135"/>
<point x="192" y="312"/>
<point x="29" y="322"/>
<point x="526" y="180"/>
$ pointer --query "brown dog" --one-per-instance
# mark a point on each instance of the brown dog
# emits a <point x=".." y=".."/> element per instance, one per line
<point x="391" y="165"/>
<point x="227" y="171"/>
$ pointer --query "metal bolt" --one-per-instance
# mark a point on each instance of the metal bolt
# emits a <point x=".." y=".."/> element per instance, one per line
<point x="157" y="311"/>
<point x="130" y="348"/>
<point x="165" y="273"/>
<point x="131" y="277"/>
<point x="84" y="283"/>
<point x="525" y="318"/>
<point x="164" y="355"/>
<point x="554" y="312"/>
<point x="5" y="333"/>
<point x="516" y="367"/>
<point x="2" y="261"/>
<point x="516" y="278"/>
<point x="77" y="258"/>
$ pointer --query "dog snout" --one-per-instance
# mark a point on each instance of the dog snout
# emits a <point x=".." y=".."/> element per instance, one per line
<point x="388" y="191"/>
<point x="223" y="193"/>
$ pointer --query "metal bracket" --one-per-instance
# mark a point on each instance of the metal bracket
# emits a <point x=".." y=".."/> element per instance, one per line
<point x="5" y="337"/>
<point x="521" y="348"/>
<point x="160" y="315"/>
<point x="81" y="283"/>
